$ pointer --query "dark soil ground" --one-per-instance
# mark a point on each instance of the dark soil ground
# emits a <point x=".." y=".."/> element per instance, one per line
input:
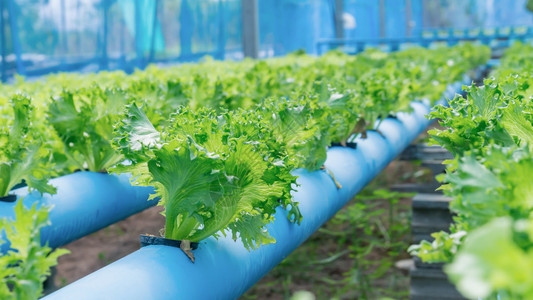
<point x="351" y="257"/>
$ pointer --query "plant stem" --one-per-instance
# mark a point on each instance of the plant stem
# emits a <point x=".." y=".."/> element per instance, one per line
<point x="181" y="231"/>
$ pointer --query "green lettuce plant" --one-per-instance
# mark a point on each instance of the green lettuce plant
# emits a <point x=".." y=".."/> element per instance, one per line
<point x="215" y="173"/>
<point x="495" y="261"/>
<point x="24" y="156"/>
<point x="26" y="265"/>
<point x="84" y="120"/>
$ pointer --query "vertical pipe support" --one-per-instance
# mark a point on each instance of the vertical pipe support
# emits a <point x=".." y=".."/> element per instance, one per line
<point x="221" y="42"/>
<point x="78" y="37"/>
<point x="104" y="60"/>
<point x="63" y="36"/>
<point x="154" y="31"/>
<point x="339" y="24"/>
<point x="250" y="28"/>
<point x="3" y="41"/>
<point x="382" y="19"/>
<point x="15" y="36"/>
<point x="186" y="29"/>
<point x="408" y="18"/>
<point x="139" y="38"/>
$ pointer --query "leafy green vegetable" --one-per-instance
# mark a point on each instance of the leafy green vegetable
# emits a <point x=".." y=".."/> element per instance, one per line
<point x="516" y="59"/>
<point x="25" y="267"/>
<point x="491" y="262"/>
<point x="84" y="121"/>
<point x="214" y="173"/>
<point x="496" y="185"/>
<point x="442" y="249"/>
<point x="343" y="111"/>
<point x="24" y="155"/>
<point x="240" y="127"/>
<point x="495" y="113"/>
<point x="301" y="126"/>
<point x="491" y="135"/>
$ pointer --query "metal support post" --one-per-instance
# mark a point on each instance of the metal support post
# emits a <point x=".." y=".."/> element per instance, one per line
<point x="408" y="18"/>
<point x="15" y="36"/>
<point x="104" y="60"/>
<point x="250" y="28"/>
<point x="339" y="24"/>
<point x="382" y="19"/>
<point x="154" y="32"/>
<point x="3" y="41"/>
<point x="139" y="38"/>
<point x="221" y="42"/>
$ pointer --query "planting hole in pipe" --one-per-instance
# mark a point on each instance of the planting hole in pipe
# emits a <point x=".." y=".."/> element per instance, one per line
<point x="8" y="198"/>
<point x="351" y="145"/>
<point x="185" y="246"/>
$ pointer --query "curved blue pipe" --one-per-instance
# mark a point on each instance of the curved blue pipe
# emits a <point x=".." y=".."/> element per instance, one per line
<point x="395" y="134"/>
<point x="85" y="202"/>
<point x="352" y="169"/>
<point x="224" y="269"/>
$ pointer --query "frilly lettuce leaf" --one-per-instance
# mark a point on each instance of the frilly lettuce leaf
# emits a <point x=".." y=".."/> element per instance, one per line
<point x="26" y="265"/>
<point x="24" y="157"/>
<point x="213" y="172"/>
<point x="492" y="265"/>
<point x="84" y="120"/>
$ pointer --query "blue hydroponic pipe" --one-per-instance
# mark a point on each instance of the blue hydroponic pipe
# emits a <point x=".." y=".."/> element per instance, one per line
<point x="223" y="268"/>
<point x="85" y="202"/>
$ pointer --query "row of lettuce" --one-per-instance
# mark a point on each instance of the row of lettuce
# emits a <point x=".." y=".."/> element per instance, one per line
<point x="217" y="140"/>
<point x="489" y="250"/>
